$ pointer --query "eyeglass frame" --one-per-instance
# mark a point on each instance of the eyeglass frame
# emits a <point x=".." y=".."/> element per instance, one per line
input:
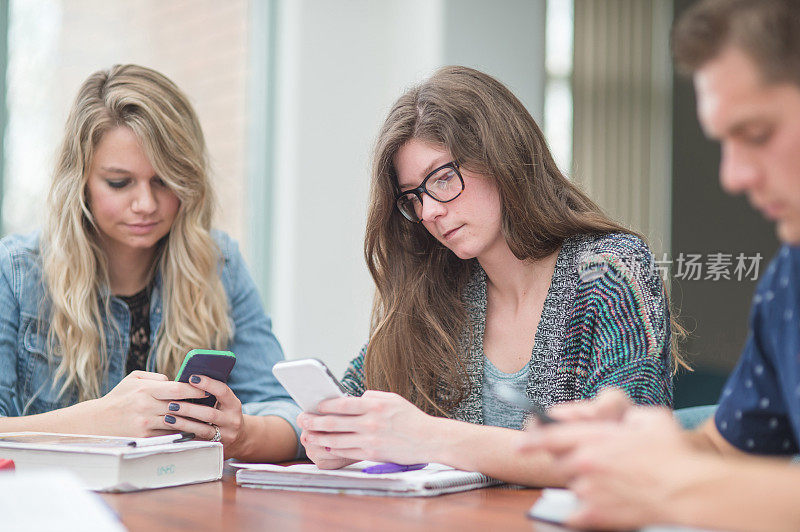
<point x="422" y="189"/>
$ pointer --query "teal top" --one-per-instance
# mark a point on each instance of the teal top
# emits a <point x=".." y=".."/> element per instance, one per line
<point x="495" y="412"/>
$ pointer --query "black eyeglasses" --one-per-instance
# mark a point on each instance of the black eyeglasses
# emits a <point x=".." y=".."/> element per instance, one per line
<point x="443" y="184"/>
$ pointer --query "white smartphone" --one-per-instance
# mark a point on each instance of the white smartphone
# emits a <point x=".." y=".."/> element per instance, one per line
<point x="308" y="381"/>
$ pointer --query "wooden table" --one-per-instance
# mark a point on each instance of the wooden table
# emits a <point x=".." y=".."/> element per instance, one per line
<point x="224" y="506"/>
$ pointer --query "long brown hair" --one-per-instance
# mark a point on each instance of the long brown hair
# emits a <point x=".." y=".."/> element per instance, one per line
<point x="418" y="315"/>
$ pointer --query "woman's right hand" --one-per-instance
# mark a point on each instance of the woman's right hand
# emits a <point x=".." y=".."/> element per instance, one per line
<point x="137" y="405"/>
<point x="319" y="455"/>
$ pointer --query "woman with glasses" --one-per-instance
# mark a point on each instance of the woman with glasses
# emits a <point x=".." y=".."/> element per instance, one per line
<point x="494" y="273"/>
<point x="101" y="306"/>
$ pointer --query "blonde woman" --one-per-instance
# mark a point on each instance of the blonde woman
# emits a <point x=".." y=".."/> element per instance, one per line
<point x="100" y="307"/>
<point x="492" y="271"/>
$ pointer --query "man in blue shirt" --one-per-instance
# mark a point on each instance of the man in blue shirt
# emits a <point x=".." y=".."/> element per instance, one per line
<point x="634" y="466"/>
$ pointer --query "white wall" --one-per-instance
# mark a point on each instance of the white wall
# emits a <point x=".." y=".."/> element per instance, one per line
<point x="504" y="38"/>
<point x="340" y="66"/>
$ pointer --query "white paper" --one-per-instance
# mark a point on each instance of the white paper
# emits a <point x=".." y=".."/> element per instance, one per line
<point x="56" y="500"/>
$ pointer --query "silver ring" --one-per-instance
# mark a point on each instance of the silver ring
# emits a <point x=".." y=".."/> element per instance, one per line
<point x="217" y="434"/>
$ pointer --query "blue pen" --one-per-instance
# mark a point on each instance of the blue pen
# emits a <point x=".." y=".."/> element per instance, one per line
<point x="390" y="467"/>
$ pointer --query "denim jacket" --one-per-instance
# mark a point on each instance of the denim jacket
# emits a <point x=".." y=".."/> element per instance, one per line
<point x="27" y="371"/>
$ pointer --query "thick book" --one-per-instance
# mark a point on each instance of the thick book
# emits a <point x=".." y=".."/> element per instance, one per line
<point x="105" y="463"/>
<point x="433" y="479"/>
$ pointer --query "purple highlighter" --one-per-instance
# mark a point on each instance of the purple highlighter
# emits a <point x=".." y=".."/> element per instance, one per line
<point x="390" y="467"/>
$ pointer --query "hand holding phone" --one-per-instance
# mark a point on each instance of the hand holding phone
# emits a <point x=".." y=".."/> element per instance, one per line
<point x="216" y="365"/>
<point x="308" y="381"/>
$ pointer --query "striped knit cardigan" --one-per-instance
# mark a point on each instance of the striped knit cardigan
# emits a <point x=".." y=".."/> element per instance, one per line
<point x="605" y="322"/>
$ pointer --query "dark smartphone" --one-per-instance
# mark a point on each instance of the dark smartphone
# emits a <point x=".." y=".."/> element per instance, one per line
<point x="214" y="364"/>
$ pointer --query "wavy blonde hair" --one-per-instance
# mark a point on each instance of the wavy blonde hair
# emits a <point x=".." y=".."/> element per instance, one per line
<point x="75" y="268"/>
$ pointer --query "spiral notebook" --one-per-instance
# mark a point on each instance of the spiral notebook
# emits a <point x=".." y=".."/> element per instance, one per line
<point x="434" y="479"/>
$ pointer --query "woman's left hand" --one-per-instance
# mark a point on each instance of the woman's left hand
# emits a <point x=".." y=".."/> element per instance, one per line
<point x="202" y="420"/>
<point x="378" y="426"/>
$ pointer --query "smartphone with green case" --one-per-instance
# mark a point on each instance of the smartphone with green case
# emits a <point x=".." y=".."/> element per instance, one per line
<point x="210" y="363"/>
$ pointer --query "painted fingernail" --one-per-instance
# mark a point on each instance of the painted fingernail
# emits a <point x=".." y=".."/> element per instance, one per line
<point x="174" y="407"/>
<point x="169" y="419"/>
<point x="328" y="449"/>
<point x="194" y="379"/>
